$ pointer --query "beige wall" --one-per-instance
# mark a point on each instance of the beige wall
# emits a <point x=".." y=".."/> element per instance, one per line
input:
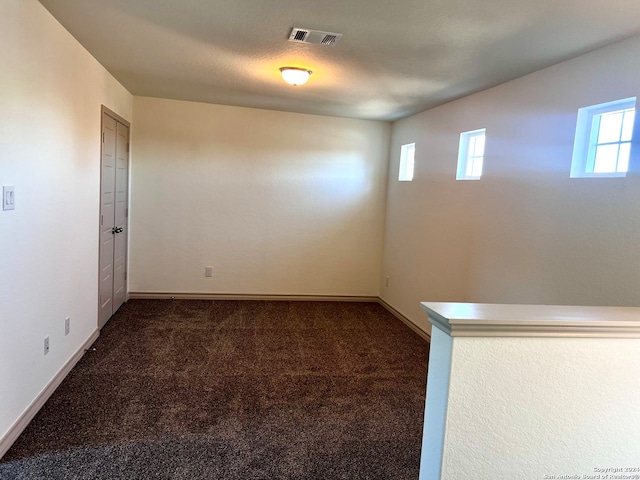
<point x="278" y="203"/>
<point x="50" y="97"/>
<point x="536" y="408"/>
<point x="526" y="232"/>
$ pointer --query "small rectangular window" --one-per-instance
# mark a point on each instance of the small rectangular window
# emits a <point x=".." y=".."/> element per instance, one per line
<point x="603" y="139"/>
<point x="407" y="155"/>
<point x="471" y="155"/>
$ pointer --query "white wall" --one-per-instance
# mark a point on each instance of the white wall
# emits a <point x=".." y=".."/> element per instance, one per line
<point x="51" y="91"/>
<point x="526" y="232"/>
<point x="278" y="203"/>
<point x="536" y="408"/>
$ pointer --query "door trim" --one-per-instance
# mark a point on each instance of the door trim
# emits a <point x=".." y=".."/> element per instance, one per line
<point x="113" y="115"/>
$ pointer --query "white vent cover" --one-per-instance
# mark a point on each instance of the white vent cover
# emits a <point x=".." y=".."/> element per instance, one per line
<point x="304" y="35"/>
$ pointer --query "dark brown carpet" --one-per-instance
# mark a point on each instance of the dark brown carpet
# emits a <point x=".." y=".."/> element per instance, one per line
<point x="180" y="389"/>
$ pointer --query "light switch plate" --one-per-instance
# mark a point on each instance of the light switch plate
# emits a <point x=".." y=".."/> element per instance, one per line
<point x="8" y="197"/>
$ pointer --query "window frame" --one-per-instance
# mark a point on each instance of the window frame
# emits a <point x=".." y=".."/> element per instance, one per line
<point x="406" y="170"/>
<point x="464" y="157"/>
<point x="586" y="138"/>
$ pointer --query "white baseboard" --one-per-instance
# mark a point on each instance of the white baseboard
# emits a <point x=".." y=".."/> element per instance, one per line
<point x="17" y="428"/>
<point x="405" y="320"/>
<point x="233" y="296"/>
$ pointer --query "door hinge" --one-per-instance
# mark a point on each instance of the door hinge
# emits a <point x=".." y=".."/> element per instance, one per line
<point x="125" y="276"/>
<point x="127" y="148"/>
<point x="126" y="212"/>
<point x="101" y="219"/>
<point x="102" y="137"/>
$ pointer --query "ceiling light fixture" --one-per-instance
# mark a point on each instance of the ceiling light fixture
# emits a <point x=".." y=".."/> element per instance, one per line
<point x="294" y="75"/>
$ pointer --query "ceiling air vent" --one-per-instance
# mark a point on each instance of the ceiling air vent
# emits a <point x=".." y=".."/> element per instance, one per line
<point x="304" y="35"/>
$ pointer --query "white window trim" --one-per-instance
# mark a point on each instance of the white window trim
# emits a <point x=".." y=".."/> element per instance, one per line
<point x="407" y="166"/>
<point x="581" y="161"/>
<point x="463" y="153"/>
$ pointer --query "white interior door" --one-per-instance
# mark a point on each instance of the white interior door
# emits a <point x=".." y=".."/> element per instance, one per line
<point x="120" y="217"/>
<point x="113" y="217"/>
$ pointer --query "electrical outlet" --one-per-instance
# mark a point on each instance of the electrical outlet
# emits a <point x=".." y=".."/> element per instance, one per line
<point x="67" y="326"/>
<point x="387" y="281"/>
<point x="208" y="271"/>
<point x="46" y="344"/>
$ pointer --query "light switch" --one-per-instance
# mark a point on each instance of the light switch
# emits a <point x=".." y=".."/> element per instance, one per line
<point x="8" y="197"/>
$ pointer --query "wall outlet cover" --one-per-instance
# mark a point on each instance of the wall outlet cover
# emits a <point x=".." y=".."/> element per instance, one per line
<point x="8" y="197"/>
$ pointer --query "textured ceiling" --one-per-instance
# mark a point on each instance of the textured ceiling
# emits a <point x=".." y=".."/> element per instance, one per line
<point x="395" y="59"/>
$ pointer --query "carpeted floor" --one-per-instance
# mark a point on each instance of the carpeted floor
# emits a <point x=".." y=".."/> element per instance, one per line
<point x="189" y="389"/>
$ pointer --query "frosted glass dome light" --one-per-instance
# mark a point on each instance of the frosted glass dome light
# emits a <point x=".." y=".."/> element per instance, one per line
<point x="295" y="76"/>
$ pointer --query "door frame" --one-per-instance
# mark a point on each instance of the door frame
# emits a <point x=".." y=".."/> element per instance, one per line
<point x="110" y="113"/>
